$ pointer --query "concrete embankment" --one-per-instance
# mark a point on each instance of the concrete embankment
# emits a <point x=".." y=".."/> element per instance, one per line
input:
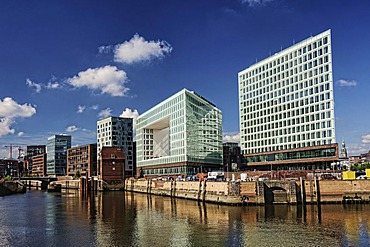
<point x="258" y="192"/>
<point x="11" y="187"/>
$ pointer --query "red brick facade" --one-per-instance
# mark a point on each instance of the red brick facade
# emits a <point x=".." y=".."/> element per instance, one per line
<point x="111" y="165"/>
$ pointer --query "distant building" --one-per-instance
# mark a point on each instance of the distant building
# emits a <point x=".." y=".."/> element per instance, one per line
<point x="180" y="136"/>
<point x="82" y="159"/>
<point x="39" y="162"/>
<point x="9" y="167"/>
<point x="232" y="157"/>
<point x="286" y="107"/>
<point x="31" y="151"/>
<point x="112" y="165"/>
<point x="117" y="132"/>
<point x="57" y="154"/>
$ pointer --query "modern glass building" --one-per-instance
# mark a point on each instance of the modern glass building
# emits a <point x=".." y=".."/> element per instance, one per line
<point x="57" y="154"/>
<point x="286" y="107"/>
<point x="180" y="136"/>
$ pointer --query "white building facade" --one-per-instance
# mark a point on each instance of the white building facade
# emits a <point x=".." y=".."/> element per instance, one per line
<point x="181" y="135"/>
<point x="117" y="132"/>
<point x="286" y="102"/>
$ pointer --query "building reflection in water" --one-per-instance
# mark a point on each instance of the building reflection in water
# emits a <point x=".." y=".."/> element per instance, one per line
<point x="129" y="219"/>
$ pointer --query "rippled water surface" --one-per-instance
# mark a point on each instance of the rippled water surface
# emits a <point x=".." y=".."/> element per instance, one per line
<point x="126" y="219"/>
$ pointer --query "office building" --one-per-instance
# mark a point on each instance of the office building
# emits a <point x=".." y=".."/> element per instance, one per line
<point x="118" y="132"/>
<point x="82" y="160"/>
<point x="286" y="107"/>
<point x="180" y="136"/>
<point x="56" y="149"/>
<point x="31" y="151"/>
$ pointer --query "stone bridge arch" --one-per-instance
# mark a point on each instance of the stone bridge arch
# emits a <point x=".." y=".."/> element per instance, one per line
<point x="270" y="192"/>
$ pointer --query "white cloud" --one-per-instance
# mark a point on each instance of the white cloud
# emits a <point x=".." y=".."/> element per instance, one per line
<point x="5" y="126"/>
<point x="81" y="109"/>
<point x="20" y="134"/>
<point x="53" y="85"/>
<point x="105" y="49"/>
<point x="366" y="139"/>
<point x="9" y="110"/>
<point x="231" y="137"/>
<point x="94" y="107"/>
<point x="347" y="83"/>
<point x="253" y="3"/>
<point x="137" y="49"/>
<point x="128" y="113"/>
<point x="34" y="85"/>
<point x="71" y="128"/>
<point x="107" y="79"/>
<point x="105" y="113"/>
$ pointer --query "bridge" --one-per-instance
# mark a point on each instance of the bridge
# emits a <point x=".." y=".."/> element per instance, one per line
<point x="36" y="182"/>
<point x="269" y="192"/>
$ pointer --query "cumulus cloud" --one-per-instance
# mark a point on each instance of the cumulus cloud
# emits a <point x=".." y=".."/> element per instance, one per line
<point x="366" y="139"/>
<point x="20" y="133"/>
<point x="137" y="49"/>
<point x="253" y="3"/>
<point x="31" y="84"/>
<point x="9" y="110"/>
<point x="108" y="79"/>
<point x="231" y="137"/>
<point x="94" y="107"/>
<point x="71" y="128"/>
<point x="347" y="83"/>
<point x="129" y="113"/>
<point x="105" y="113"/>
<point x="81" y="108"/>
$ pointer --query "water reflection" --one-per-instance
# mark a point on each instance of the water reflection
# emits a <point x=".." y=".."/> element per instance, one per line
<point x="128" y="219"/>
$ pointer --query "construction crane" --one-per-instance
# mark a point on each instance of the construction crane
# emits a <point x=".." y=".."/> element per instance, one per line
<point x="11" y="146"/>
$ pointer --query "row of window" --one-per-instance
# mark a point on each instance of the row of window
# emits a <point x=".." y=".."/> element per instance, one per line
<point x="286" y="146"/>
<point x="314" y="48"/>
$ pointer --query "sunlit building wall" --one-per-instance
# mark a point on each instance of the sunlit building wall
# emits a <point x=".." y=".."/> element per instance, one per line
<point x="181" y="135"/>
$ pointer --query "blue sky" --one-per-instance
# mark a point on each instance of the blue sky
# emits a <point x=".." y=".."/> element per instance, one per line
<point x="65" y="64"/>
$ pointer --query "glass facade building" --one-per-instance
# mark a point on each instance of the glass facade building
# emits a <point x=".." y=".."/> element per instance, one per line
<point x="57" y="154"/>
<point x="286" y="101"/>
<point x="181" y="135"/>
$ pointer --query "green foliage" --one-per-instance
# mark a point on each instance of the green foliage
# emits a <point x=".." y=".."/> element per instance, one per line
<point x="77" y="175"/>
<point x="360" y="167"/>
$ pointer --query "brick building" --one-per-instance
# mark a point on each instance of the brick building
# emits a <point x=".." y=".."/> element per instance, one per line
<point x="82" y="159"/>
<point x="112" y="163"/>
<point x="39" y="165"/>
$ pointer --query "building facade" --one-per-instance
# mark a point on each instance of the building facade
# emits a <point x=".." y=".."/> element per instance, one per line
<point x="118" y="132"/>
<point x="82" y="160"/>
<point x="112" y="165"/>
<point x="286" y="106"/>
<point x="57" y="146"/>
<point x="39" y="162"/>
<point x="180" y="136"/>
<point x="31" y="151"/>
<point x="232" y="157"/>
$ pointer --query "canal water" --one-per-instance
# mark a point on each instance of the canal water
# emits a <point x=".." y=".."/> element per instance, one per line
<point x="39" y="218"/>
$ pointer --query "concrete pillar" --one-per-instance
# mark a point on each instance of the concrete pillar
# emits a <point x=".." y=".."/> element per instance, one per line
<point x="303" y="190"/>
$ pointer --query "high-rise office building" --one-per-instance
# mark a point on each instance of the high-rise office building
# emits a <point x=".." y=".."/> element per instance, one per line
<point x="117" y="132"/>
<point x="57" y="154"/>
<point x="286" y="107"/>
<point x="180" y="136"/>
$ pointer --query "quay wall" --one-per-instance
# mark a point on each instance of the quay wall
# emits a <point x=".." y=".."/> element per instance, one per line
<point x="258" y="192"/>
